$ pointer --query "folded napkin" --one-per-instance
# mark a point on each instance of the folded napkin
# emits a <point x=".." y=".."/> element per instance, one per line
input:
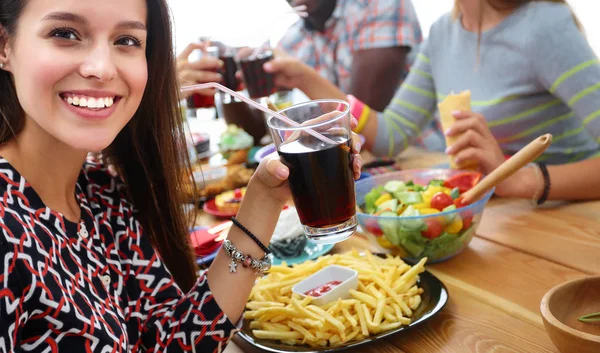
<point x="206" y="240"/>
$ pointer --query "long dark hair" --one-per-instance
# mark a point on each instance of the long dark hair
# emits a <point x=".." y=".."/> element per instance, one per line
<point x="149" y="153"/>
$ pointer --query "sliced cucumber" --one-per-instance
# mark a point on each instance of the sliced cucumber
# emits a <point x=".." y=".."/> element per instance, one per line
<point x="389" y="227"/>
<point x="412" y="224"/>
<point x="409" y="197"/>
<point x="391" y="205"/>
<point x="436" y="182"/>
<point x="450" y="218"/>
<point x="394" y="186"/>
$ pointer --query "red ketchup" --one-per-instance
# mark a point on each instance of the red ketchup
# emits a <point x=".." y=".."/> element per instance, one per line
<point x="322" y="289"/>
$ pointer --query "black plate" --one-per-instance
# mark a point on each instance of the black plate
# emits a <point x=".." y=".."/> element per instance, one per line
<point x="433" y="299"/>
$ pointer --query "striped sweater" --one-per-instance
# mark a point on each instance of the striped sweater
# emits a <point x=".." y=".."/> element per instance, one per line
<point x="536" y="74"/>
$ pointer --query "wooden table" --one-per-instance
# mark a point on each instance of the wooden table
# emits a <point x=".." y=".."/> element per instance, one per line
<point x="497" y="283"/>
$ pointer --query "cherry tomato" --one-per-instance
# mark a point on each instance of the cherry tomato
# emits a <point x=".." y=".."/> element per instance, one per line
<point x="459" y="203"/>
<point x="372" y="227"/>
<point x="237" y="194"/>
<point x="434" y="228"/>
<point x="441" y="201"/>
<point x="467" y="217"/>
<point x="463" y="181"/>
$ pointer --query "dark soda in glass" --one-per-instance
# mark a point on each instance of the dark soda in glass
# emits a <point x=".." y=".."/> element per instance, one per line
<point x="321" y="180"/>
<point x="197" y="101"/>
<point x="228" y="72"/>
<point x="313" y="139"/>
<point x="258" y="82"/>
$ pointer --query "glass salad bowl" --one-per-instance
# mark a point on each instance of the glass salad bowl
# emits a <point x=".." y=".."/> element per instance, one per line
<point x="417" y="213"/>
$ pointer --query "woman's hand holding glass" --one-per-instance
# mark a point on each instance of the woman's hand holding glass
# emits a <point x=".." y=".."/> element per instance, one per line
<point x="272" y="174"/>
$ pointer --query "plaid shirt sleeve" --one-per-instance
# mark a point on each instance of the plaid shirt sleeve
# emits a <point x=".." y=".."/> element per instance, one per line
<point x="386" y="24"/>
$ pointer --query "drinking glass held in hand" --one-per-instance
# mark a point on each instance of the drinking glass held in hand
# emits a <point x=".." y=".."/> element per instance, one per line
<point x="321" y="173"/>
<point x="259" y="83"/>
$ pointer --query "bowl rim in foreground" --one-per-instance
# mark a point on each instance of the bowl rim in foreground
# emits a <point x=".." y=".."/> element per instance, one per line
<point x="552" y="320"/>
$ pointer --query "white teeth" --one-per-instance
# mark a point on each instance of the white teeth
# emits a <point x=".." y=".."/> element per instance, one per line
<point x="90" y="102"/>
<point x="95" y="102"/>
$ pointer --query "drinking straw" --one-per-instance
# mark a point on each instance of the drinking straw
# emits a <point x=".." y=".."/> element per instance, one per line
<point x="257" y="106"/>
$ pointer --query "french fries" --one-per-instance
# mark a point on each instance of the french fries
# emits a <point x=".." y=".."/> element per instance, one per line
<point x="386" y="298"/>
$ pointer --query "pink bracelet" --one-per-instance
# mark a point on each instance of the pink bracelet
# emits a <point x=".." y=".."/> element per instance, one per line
<point x="360" y="111"/>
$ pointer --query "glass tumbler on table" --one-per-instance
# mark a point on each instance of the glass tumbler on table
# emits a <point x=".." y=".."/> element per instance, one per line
<point x="321" y="175"/>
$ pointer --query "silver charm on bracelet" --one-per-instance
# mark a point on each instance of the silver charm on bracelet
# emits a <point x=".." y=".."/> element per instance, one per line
<point x="261" y="267"/>
<point x="232" y="267"/>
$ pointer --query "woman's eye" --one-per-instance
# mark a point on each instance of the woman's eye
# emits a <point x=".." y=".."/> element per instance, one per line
<point x="128" y="41"/>
<point x="64" y="33"/>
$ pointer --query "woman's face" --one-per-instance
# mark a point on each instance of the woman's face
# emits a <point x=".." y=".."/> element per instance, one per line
<point x="79" y="67"/>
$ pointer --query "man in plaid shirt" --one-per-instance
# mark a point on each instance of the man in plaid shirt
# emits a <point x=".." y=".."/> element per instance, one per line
<point x="361" y="46"/>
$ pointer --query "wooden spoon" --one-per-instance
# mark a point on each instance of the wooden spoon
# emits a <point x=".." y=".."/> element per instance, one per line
<point x="525" y="156"/>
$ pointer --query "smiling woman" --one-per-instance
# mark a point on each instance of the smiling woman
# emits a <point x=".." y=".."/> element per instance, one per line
<point x="89" y="261"/>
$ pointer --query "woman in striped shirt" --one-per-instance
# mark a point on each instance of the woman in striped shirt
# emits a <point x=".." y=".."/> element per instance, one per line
<point x="530" y="71"/>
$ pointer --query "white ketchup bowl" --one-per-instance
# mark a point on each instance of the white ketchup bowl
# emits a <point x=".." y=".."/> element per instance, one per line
<point x="347" y="277"/>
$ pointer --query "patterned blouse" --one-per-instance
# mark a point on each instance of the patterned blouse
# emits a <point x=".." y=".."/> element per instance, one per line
<point x="97" y="286"/>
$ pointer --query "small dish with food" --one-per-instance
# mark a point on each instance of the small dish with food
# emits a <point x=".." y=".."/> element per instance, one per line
<point x="230" y="201"/>
<point x="328" y="284"/>
<point x="288" y="240"/>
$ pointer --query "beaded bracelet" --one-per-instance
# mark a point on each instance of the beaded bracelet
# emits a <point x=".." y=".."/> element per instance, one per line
<point x="547" y="184"/>
<point x="261" y="266"/>
<point x="252" y="236"/>
<point x="540" y="188"/>
<point x="540" y="196"/>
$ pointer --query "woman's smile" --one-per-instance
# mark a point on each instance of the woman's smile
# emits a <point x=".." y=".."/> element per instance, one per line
<point x="91" y="104"/>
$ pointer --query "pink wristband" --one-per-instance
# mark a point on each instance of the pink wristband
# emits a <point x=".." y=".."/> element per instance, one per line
<point x="360" y="111"/>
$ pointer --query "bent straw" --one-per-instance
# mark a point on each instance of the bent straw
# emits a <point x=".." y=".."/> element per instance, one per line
<point x="255" y="105"/>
